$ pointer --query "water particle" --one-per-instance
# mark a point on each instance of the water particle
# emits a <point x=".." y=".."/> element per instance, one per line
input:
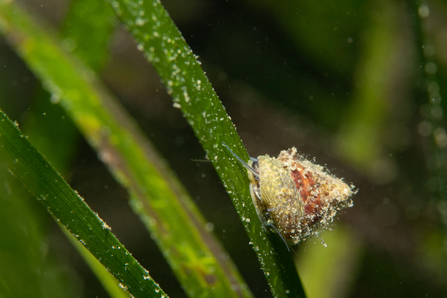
<point x="440" y="137"/>
<point x="424" y="11"/>
<point x="209" y="227"/>
<point x="122" y="286"/>
<point x="185" y="94"/>
<point x="431" y="68"/>
<point x="140" y="21"/>
<point x="176" y="105"/>
<point x="105" y="226"/>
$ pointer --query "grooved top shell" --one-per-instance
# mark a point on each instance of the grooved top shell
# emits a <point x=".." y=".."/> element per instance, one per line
<point x="295" y="197"/>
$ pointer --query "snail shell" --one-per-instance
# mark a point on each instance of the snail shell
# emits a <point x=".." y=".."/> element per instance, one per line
<point x="293" y="196"/>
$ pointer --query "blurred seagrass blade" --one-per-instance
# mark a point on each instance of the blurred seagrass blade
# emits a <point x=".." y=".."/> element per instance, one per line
<point x="174" y="222"/>
<point x="55" y="136"/>
<point x="29" y="266"/>
<point x="69" y="209"/>
<point x="95" y="17"/>
<point x="163" y="45"/>
<point x="431" y="92"/>
<point x="430" y="89"/>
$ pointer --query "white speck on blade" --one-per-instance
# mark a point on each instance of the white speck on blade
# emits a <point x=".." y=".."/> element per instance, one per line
<point x="140" y="21"/>
<point x="186" y="95"/>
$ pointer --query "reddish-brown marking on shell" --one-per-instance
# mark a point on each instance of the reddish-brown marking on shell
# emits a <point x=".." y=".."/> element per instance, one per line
<point x="304" y="182"/>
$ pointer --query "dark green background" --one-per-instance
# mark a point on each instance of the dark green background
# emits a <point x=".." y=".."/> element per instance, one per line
<point x="343" y="81"/>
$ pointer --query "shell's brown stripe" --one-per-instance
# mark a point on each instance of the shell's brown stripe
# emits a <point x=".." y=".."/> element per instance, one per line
<point x="304" y="181"/>
<point x="299" y="184"/>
